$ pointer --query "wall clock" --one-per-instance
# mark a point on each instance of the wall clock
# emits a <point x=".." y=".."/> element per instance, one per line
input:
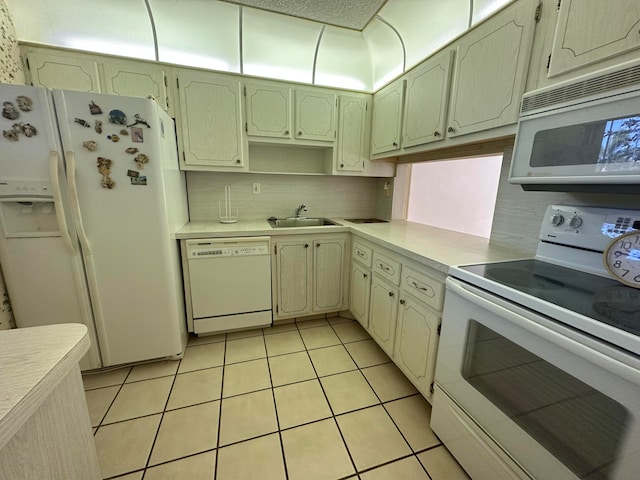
<point x="622" y="258"/>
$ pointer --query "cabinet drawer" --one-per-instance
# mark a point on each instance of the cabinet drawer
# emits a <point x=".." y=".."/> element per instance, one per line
<point x="386" y="268"/>
<point x="362" y="254"/>
<point x="423" y="287"/>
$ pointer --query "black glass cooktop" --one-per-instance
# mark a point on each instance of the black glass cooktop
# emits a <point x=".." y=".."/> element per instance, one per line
<point x="602" y="299"/>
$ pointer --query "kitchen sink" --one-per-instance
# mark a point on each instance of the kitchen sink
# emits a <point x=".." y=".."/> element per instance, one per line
<point x="300" y="222"/>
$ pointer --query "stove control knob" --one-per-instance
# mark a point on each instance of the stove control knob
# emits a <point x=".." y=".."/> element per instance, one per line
<point x="575" y="222"/>
<point x="557" y="220"/>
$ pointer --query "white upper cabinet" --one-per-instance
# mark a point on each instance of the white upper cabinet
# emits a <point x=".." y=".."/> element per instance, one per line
<point x="315" y="115"/>
<point x="387" y="118"/>
<point x="490" y="71"/>
<point x="211" y="121"/>
<point x="353" y="134"/>
<point x="589" y="31"/>
<point x="426" y="101"/>
<point x="137" y="79"/>
<point x="63" y="71"/>
<point x="268" y="110"/>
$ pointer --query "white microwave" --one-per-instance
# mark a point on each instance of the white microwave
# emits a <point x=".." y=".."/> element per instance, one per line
<point x="581" y="135"/>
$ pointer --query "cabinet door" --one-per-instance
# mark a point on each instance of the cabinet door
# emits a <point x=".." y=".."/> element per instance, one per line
<point x="387" y="118"/>
<point x="328" y="274"/>
<point x="426" y="101"/>
<point x="359" y="293"/>
<point x="352" y="134"/>
<point x="136" y="80"/>
<point x="382" y="313"/>
<point x="70" y="72"/>
<point x="592" y="30"/>
<point x="211" y="120"/>
<point x="315" y="115"/>
<point x="268" y="110"/>
<point x="490" y="71"/>
<point x="293" y="274"/>
<point x="417" y="343"/>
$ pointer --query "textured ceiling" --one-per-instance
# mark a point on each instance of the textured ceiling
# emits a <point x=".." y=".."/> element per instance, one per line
<point x="353" y="14"/>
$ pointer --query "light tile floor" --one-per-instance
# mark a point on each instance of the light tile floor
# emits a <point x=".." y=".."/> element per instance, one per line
<point x="308" y="400"/>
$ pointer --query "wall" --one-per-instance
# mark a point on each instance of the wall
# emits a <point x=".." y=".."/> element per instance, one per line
<point x="10" y="72"/>
<point x="324" y="196"/>
<point x="519" y="214"/>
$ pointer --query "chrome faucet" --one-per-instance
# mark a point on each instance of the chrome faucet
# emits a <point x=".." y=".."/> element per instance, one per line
<point x="301" y="208"/>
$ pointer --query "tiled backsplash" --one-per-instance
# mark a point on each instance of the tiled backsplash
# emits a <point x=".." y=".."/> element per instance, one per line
<point x="324" y="196"/>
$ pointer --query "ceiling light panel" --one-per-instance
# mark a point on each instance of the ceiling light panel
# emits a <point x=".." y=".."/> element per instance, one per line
<point x="116" y="27"/>
<point x="485" y="8"/>
<point x="343" y="60"/>
<point x="276" y="46"/>
<point x="198" y="33"/>
<point x="386" y="52"/>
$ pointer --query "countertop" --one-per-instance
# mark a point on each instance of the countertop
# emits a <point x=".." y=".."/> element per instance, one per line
<point x="435" y="247"/>
<point x="33" y="361"/>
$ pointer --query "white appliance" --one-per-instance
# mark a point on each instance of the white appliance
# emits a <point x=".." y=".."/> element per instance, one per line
<point x="74" y="250"/>
<point x="229" y="284"/>
<point x="582" y="134"/>
<point x="538" y="370"/>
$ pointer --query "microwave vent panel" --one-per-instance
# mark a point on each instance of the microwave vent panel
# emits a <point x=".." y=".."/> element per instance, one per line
<point x="597" y="85"/>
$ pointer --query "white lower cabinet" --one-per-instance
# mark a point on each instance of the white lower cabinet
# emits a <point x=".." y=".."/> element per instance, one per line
<point x="399" y="302"/>
<point x="360" y="293"/>
<point x="416" y="343"/>
<point x="383" y="312"/>
<point x="308" y="275"/>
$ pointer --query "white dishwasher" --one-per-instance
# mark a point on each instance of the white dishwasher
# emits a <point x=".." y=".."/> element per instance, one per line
<point x="229" y="283"/>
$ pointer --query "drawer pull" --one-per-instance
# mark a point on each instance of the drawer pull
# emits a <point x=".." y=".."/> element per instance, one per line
<point x="360" y="254"/>
<point x="391" y="294"/>
<point x="384" y="267"/>
<point x="429" y="291"/>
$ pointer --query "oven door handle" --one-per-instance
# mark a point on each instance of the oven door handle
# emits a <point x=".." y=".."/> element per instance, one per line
<point x="590" y="355"/>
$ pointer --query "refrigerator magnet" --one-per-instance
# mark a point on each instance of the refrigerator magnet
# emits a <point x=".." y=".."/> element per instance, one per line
<point x="124" y="132"/>
<point x="136" y="135"/>
<point x="10" y="135"/>
<point x="141" y="159"/>
<point x="139" y="121"/>
<point x="131" y="150"/>
<point x="104" y="168"/>
<point x="9" y="111"/>
<point x="98" y="126"/>
<point x="139" y="180"/>
<point x="26" y="129"/>
<point x="82" y="122"/>
<point x="132" y="173"/>
<point x="24" y="103"/>
<point x="114" y="138"/>
<point x="94" y="109"/>
<point x="117" y="116"/>
<point x="90" y="145"/>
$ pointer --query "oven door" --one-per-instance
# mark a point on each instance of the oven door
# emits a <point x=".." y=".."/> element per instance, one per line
<point x="561" y="404"/>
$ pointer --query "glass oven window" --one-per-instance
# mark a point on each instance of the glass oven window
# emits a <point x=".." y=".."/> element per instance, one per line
<point x="611" y="145"/>
<point x="580" y="426"/>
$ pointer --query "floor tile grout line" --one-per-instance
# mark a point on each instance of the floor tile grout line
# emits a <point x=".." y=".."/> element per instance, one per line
<point x="112" y="402"/>
<point x="224" y="369"/>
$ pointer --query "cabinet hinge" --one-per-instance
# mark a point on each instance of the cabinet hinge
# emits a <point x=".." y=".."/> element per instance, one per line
<point x="184" y="158"/>
<point x="439" y="329"/>
<point x="559" y="2"/>
<point x="275" y="249"/>
<point x="277" y="310"/>
<point x="431" y="389"/>
<point x="178" y="82"/>
<point x="246" y="127"/>
<point x="538" y="14"/>
<point x="244" y="90"/>
<point x="28" y="66"/>
<point x="165" y="81"/>
<point x="548" y="62"/>
<point x="334" y="134"/>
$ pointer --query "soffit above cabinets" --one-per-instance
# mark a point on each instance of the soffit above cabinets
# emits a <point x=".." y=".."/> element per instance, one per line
<point x="230" y="36"/>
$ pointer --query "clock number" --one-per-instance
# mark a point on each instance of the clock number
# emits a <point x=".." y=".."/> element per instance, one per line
<point x="625" y="272"/>
<point x="617" y="264"/>
<point x="618" y="253"/>
<point x="636" y="279"/>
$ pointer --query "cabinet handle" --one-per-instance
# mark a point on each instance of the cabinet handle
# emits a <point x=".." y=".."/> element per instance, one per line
<point x="391" y="294"/>
<point x="238" y="160"/>
<point x="395" y="144"/>
<point x="299" y="134"/>
<point x="360" y="254"/>
<point x="306" y="245"/>
<point x="418" y="287"/>
<point x="342" y="165"/>
<point x="384" y="267"/>
<point x="401" y="302"/>
<point x="317" y="245"/>
<point x="364" y="275"/>
<point x="286" y="132"/>
<point x="450" y="129"/>
<point x="436" y="133"/>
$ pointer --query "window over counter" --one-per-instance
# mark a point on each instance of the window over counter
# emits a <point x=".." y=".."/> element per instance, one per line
<point x="458" y="194"/>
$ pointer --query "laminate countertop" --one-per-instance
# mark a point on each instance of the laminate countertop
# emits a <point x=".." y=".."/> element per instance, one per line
<point x="33" y="362"/>
<point x="435" y="247"/>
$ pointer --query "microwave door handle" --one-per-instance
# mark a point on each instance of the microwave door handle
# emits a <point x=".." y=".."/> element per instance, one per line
<point x="54" y="163"/>
<point x="603" y="361"/>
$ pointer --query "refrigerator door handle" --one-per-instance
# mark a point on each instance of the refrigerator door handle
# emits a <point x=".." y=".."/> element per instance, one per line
<point x="75" y="203"/>
<point x="54" y="162"/>
<point x="89" y="265"/>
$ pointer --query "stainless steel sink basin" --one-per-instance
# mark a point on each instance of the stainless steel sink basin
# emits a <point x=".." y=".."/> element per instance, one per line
<point x="300" y="222"/>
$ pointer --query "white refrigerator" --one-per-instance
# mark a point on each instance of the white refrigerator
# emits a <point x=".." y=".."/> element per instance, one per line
<point x="91" y="196"/>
